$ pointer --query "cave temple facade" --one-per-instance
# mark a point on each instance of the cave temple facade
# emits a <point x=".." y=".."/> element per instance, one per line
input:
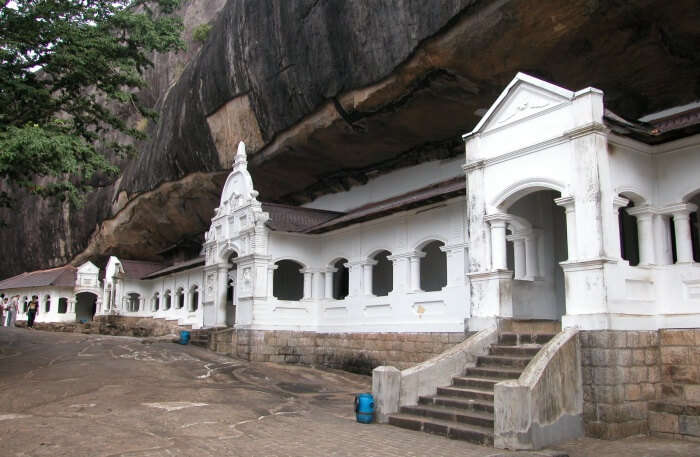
<point x="552" y="214"/>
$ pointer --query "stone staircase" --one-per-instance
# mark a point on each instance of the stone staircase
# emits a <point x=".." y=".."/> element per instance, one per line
<point x="464" y="410"/>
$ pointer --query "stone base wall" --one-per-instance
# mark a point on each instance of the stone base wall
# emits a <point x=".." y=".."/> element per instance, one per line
<point x="677" y="413"/>
<point x="114" y="325"/>
<point x="355" y="352"/>
<point x="621" y="374"/>
<point x="628" y="374"/>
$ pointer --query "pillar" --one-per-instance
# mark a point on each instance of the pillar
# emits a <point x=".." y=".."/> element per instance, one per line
<point x="414" y="265"/>
<point x="519" y="256"/>
<point x="401" y="272"/>
<point x="307" y="284"/>
<point x="645" y="233"/>
<point x="355" y="277"/>
<point x="569" y="207"/>
<point x="662" y="239"/>
<point x="222" y="286"/>
<point x="317" y="284"/>
<point x="270" y="280"/>
<point x="328" y="279"/>
<point x="681" y="223"/>
<point x="367" y="276"/>
<point x="531" y="256"/>
<point x="498" y="241"/>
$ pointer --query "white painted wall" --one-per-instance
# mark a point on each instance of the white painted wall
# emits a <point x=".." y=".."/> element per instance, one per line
<point x="391" y="184"/>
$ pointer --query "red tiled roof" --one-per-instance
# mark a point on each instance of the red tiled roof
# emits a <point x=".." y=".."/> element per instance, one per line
<point x="421" y="197"/>
<point x="138" y="269"/>
<point x="61" y="277"/>
<point x="286" y="218"/>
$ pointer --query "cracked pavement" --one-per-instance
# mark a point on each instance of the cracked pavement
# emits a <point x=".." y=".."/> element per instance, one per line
<point x="89" y="395"/>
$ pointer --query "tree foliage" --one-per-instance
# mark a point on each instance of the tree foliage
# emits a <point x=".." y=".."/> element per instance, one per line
<point x="67" y="69"/>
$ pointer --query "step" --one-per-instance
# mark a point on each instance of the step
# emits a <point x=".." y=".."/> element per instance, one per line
<point x="472" y="417"/>
<point x="476" y="382"/>
<point x="502" y="361"/>
<point x="512" y="339"/>
<point x="518" y="351"/>
<point x="454" y="430"/>
<point x="494" y="372"/>
<point x="456" y="402"/>
<point x="464" y="392"/>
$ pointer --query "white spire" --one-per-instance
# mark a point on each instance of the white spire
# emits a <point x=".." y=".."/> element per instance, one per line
<point x="241" y="154"/>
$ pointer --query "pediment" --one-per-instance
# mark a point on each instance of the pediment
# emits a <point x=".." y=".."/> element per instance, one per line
<point x="88" y="268"/>
<point x="524" y="102"/>
<point x="523" y="98"/>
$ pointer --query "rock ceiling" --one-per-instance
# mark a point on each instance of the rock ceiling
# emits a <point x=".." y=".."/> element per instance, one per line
<point x="329" y="94"/>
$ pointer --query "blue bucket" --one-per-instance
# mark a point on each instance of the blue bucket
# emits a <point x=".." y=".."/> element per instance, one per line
<point x="364" y="408"/>
<point x="184" y="337"/>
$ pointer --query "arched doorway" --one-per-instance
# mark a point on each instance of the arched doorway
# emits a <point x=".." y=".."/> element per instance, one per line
<point x="231" y="291"/>
<point x="85" y="306"/>
<point x="536" y="245"/>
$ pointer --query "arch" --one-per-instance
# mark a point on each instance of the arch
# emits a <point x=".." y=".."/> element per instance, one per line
<point x="690" y="194"/>
<point x="167" y="300"/>
<point x="433" y="266"/>
<point x="627" y="226"/>
<point x="194" y="298"/>
<point x="85" y="306"/>
<point x="632" y="194"/>
<point x="133" y="302"/>
<point x="47" y="303"/>
<point x="155" y="302"/>
<point x="335" y="260"/>
<point x="62" y="305"/>
<point x="429" y="239"/>
<point x="287" y="280"/>
<point x="520" y="189"/>
<point x="382" y="273"/>
<point x="180" y="302"/>
<point x="293" y="259"/>
<point x="341" y="279"/>
<point x="227" y="250"/>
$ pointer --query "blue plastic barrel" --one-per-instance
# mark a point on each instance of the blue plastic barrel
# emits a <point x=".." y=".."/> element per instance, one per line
<point x="184" y="337"/>
<point x="364" y="408"/>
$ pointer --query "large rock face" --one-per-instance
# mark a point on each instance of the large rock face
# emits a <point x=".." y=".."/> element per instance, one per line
<point x="327" y="94"/>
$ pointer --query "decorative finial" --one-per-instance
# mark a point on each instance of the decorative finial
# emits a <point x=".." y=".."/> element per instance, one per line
<point x="241" y="154"/>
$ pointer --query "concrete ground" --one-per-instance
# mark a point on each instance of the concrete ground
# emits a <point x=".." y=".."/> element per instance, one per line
<point x="89" y="395"/>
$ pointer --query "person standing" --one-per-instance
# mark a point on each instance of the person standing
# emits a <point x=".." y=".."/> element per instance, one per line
<point x="12" y="312"/>
<point x="3" y="307"/>
<point x="32" y="311"/>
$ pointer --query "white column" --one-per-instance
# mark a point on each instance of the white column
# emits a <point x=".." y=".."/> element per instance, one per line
<point x="662" y="239"/>
<point x="355" y="277"/>
<point x="681" y="224"/>
<point x="498" y="241"/>
<point x="569" y="206"/>
<point x="270" y="280"/>
<point x="220" y="305"/>
<point x="401" y="272"/>
<point x="414" y="265"/>
<point x="531" y="256"/>
<point x="367" y="276"/>
<point x="645" y="233"/>
<point x="518" y="256"/>
<point x="316" y="284"/>
<point x="328" y="288"/>
<point x="307" y="284"/>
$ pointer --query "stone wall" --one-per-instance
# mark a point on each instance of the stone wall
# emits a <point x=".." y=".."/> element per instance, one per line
<point x="355" y="352"/>
<point x="621" y="374"/>
<point x="641" y="382"/>
<point x="676" y="414"/>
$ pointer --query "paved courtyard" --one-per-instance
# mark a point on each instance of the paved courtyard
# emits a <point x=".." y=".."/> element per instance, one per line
<point x="86" y="395"/>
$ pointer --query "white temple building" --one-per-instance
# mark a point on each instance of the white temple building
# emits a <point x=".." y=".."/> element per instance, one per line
<point x="560" y="218"/>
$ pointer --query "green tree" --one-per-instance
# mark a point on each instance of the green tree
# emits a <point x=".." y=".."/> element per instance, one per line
<point x="68" y="68"/>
